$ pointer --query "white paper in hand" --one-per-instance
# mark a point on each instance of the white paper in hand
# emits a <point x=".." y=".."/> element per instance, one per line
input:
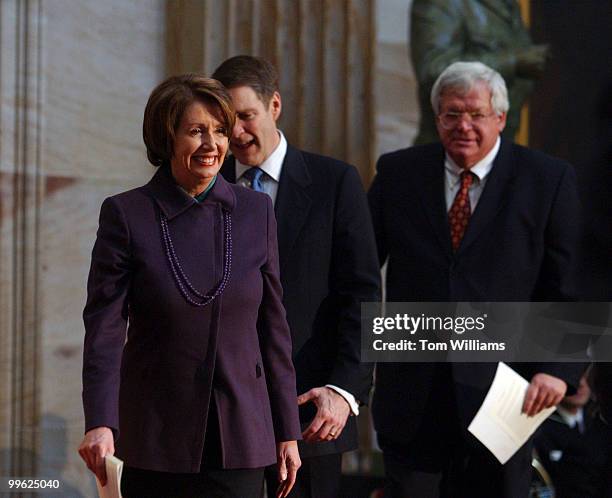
<point x="114" y="468"/>
<point x="500" y="424"/>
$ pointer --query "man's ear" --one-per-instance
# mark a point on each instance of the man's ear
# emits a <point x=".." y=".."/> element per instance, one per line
<point x="276" y="105"/>
<point x="501" y="124"/>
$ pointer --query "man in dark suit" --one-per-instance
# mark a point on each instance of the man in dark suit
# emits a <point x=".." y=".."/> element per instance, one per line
<point x="574" y="447"/>
<point x="328" y="266"/>
<point x="473" y="218"/>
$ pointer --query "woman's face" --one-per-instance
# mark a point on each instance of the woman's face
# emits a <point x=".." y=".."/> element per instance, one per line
<point x="200" y="144"/>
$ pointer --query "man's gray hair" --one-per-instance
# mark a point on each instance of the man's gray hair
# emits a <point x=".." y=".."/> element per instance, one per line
<point x="463" y="76"/>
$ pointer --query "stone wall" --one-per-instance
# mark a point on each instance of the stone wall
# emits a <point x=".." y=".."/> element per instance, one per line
<point x="397" y="107"/>
<point x="74" y="80"/>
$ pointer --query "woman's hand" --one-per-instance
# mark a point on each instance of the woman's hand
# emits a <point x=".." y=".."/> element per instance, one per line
<point x="288" y="461"/>
<point x="96" y="444"/>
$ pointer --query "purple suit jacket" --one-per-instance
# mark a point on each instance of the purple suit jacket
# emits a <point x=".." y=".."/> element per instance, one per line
<point x="154" y="390"/>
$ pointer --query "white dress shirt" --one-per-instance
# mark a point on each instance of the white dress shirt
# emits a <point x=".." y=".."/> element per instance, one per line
<point x="452" y="177"/>
<point x="271" y="167"/>
<point x="572" y="419"/>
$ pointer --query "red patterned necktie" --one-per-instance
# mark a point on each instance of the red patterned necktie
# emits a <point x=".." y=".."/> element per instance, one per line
<point x="460" y="211"/>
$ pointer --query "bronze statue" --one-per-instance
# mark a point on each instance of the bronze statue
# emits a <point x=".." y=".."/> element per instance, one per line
<point x="489" y="31"/>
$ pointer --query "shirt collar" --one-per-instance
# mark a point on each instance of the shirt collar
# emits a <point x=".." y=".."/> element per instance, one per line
<point x="481" y="169"/>
<point x="202" y="195"/>
<point x="571" y="419"/>
<point x="273" y="163"/>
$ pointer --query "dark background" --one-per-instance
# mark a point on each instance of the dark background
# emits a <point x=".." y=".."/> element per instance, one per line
<point x="571" y="118"/>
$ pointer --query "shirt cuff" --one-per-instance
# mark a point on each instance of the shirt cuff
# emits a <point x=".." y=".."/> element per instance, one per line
<point x="350" y="399"/>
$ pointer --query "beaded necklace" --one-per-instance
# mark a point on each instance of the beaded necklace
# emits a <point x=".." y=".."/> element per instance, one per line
<point x="185" y="286"/>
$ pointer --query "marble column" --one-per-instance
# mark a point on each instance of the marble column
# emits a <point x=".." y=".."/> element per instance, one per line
<point x="324" y="52"/>
<point x="21" y="119"/>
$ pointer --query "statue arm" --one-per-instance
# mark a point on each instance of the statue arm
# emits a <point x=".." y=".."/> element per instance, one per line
<point x="438" y="38"/>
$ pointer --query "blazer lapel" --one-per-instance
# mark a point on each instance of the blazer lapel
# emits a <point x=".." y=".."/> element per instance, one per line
<point x="494" y="196"/>
<point x="171" y="199"/>
<point x="431" y="192"/>
<point x="293" y="201"/>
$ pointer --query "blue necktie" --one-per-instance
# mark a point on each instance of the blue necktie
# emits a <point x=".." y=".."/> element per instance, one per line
<point x="253" y="174"/>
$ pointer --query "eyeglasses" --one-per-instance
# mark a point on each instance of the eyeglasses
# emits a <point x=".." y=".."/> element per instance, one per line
<point x="450" y="119"/>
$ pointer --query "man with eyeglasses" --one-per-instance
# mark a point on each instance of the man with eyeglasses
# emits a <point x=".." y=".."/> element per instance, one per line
<point x="328" y="267"/>
<point x="491" y="31"/>
<point x="473" y="218"/>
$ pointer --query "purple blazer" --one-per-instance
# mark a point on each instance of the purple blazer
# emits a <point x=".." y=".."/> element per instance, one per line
<point x="154" y="390"/>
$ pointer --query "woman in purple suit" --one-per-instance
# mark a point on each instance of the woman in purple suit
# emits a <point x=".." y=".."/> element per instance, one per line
<point x="202" y="395"/>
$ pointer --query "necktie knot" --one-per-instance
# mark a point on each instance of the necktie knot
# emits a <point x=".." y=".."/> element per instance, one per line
<point x="254" y="174"/>
<point x="467" y="178"/>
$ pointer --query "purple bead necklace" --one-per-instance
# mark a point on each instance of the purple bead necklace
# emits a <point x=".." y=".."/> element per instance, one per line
<point x="185" y="286"/>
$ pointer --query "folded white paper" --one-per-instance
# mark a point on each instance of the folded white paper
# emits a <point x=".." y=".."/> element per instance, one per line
<point x="114" y="468"/>
<point x="500" y="424"/>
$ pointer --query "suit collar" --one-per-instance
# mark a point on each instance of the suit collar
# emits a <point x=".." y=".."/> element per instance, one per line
<point x="571" y="419"/>
<point x="431" y="192"/>
<point x="273" y="164"/>
<point x="173" y="200"/>
<point x="294" y="169"/>
<point x="293" y="201"/>
<point x="481" y="169"/>
<point x="494" y="196"/>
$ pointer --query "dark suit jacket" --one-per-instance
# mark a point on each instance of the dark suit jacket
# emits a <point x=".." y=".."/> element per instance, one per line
<point x="154" y="392"/>
<point x="328" y="267"/>
<point x="520" y="245"/>
<point x="578" y="463"/>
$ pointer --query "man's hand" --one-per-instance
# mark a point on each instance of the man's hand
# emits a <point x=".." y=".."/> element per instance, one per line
<point x="96" y="444"/>
<point x="332" y="412"/>
<point x="288" y="461"/>
<point x="544" y="391"/>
